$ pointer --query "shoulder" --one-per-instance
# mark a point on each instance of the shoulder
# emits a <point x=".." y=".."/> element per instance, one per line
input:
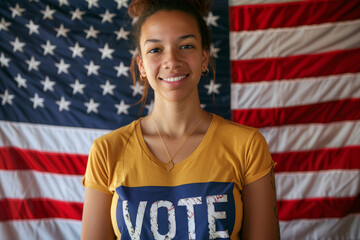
<point x="231" y="128"/>
<point x="238" y="135"/>
<point x="118" y="136"/>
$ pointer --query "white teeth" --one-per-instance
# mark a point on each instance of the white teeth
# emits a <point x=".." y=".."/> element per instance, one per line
<point x="174" y="79"/>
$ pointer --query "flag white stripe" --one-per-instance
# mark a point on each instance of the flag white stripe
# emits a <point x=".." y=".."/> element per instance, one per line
<point x="301" y="185"/>
<point x="334" y="228"/>
<point x="253" y="2"/>
<point x="295" y="92"/>
<point x="307" y="137"/>
<point x="24" y="184"/>
<point x="283" y="42"/>
<point x="48" y="138"/>
<point x="40" y="229"/>
<point x="300" y="137"/>
<point x="30" y="184"/>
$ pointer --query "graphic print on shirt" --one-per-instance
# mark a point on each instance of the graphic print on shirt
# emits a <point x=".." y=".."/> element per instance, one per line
<point x="191" y="211"/>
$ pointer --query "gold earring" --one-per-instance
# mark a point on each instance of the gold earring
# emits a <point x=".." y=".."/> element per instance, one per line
<point x="143" y="78"/>
<point x="206" y="72"/>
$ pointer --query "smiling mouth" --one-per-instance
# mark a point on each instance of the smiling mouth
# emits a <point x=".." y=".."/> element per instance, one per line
<point x="174" y="79"/>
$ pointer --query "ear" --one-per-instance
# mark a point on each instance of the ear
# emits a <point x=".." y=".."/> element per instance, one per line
<point x="140" y="65"/>
<point x="205" y="59"/>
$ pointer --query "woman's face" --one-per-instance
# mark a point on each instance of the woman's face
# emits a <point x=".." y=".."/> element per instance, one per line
<point x="171" y="55"/>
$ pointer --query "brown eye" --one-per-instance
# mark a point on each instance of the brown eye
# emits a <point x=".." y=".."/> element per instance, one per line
<point x="187" y="46"/>
<point x="154" y="50"/>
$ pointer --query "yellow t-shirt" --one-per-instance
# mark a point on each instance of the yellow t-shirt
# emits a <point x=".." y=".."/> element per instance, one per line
<point x="200" y="198"/>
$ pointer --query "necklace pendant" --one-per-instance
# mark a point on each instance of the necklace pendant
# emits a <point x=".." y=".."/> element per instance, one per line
<point x="170" y="165"/>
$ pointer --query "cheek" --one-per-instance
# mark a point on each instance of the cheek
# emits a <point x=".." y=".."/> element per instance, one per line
<point x="151" y="70"/>
<point x="196" y="65"/>
<point x="150" y="65"/>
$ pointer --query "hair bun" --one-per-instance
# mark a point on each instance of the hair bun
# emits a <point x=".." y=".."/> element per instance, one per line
<point x="138" y="7"/>
<point x="202" y="6"/>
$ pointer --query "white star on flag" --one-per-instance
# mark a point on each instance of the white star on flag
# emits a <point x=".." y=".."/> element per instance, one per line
<point x="214" y="51"/>
<point x="92" y="3"/>
<point x="37" y="101"/>
<point x="121" y="34"/>
<point x="212" y="87"/>
<point x="33" y="28"/>
<point x="150" y="107"/>
<point x="17" y="11"/>
<point x="48" y="48"/>
<point x="137" y="89"/>
<point x="65" y="2"/>
<point x="17" y="45"/>
<point x="63" y="104"/>
<point x="122" y="108"/>
<point x="62" y="31"/>
<point x="48" y="13"/>
<point x="106" y="51"/>
<point x="134" y="20"/>
<point x="77" y="87"/>
<point x="92" y="68"/>
<point x="92" y="32"/>
<point x="121" y="3"/>
<point x="77" y="14"/>
<point x="107" y="16"/>
<point x="62" y="67"/>
<point x="4" y="25"/>
<point x="133" y="52"/>
<point x="121" y="70"/>
<point x="33" y="64"/>
<point x="6" y="98"/>
<point x="211" y="19"/>
<point x="77" y="50"/>
<point x="107" y="88"/>
<point x="48" y="85"/>
<point x="21" y="81"/>
<point x="92" y="106"/>
<point x="4" y="61"/>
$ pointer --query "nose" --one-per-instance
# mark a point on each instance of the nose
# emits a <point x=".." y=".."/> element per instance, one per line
<point x="171" y="59"/>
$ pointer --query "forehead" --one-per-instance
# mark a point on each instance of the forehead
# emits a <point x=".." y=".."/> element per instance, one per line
<point x="169" y="24"/>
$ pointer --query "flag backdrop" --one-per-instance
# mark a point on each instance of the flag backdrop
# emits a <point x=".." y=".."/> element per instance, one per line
<point x="290" y="68"/>
<point x="296" y="76"/>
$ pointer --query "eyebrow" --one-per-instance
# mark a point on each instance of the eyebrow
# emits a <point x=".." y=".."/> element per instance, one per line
<point x="180" y="38"/>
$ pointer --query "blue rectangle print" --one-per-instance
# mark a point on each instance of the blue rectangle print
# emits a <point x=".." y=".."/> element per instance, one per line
<point x="191" y="211"/>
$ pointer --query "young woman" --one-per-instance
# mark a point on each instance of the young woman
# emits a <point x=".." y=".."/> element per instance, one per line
<point x="180" y="172"/>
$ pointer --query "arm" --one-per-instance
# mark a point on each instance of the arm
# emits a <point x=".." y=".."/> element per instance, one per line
<point x="260" y="209"/>
<point x="96" y="221"/>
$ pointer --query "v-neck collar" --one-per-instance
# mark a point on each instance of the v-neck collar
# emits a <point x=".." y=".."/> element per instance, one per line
<point x="204" y="142"/>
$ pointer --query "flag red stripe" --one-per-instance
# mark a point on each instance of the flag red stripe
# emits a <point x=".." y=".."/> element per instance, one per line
<point x="317" y="160"/>
<point x="318" y="208"/>
<point x="324" y="64"/>
<point x="342" y="110"/>
<point x="20" y="209"/>
<point x="256" y="17"/>
<point x="13" y="158"/>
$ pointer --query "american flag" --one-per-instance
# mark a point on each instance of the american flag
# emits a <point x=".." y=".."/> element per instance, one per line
<point x="65" y="80"/>
<point x="289" y="68"/>
<point x="296" y="76"/>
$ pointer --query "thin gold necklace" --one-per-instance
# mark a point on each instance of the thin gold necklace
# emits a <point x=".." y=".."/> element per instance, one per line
<point x="170" y="165"/>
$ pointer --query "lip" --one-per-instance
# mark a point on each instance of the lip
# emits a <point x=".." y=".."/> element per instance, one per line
<point x="174" y="79"/>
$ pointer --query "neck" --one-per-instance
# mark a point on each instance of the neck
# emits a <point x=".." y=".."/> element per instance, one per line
<point x="175" y="119"/>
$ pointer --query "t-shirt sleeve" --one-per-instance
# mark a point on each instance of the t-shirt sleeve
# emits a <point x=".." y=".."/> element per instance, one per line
<point x="258" y="158"/>
<point x="97" y="171"/>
